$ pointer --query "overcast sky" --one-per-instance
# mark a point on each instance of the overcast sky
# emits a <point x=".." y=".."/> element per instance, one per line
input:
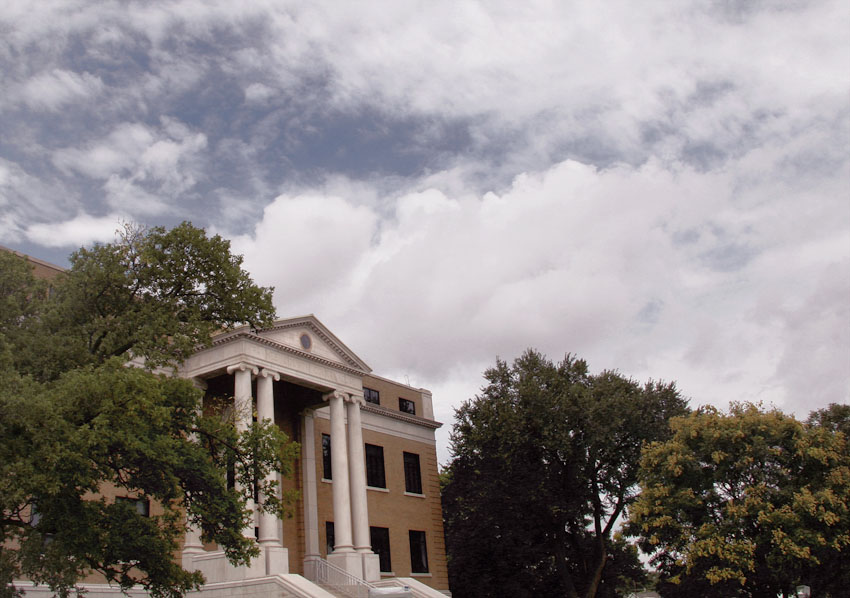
<point x="660" y="187"/>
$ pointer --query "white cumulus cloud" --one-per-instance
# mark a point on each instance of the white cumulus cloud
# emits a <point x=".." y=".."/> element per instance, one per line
<point x="83" y="229"/>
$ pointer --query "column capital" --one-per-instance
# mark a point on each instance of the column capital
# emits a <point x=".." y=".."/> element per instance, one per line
<point x="267" y="373"/>
<point x="199" y="383"/>
<point x="335" y="394"/>
<point x="242" y="367"/>
<point x="357" y="399"/>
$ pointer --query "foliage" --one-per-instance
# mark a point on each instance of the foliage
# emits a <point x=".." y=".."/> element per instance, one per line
<point x="78" y="425"/>
<point x="748" y="503"/>
<point x="833" y="417"/>
<point x="545" y="462"/>
<point x="155" y="295"/>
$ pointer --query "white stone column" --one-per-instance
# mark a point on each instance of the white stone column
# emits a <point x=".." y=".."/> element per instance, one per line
<point x="343" y="554"/>
<point x="243" y="405"/>
<point x="192" y="545"/>
<point x="359" y="507"/>
<point x="310" y="493"/>
<point x="277" y="557"/>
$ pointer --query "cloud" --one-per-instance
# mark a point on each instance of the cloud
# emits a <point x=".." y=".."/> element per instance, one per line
<point x="661" y="190"/>
<point x="26" y="198"/>
<point x="141" y="166"/>
<point x="659" y="272"/>
<point x="81" y="230"/>
<point x="116" y="153"/>
<point x="51" y="90"/>
<point x="308" y="246"/>
<point x="540" y="82"/>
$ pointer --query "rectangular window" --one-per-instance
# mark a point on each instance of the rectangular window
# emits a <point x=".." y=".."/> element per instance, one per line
<point x="380" y="538"/>
<point x="418" y="552"/>
<point x="406" y="406"/>
<point x="327" y="472"/>
<point x="375" y="466"/>
<point x="371" y="396"/>
<point x="412" y="474"/>
<point x="35" y="519"/>
<point x="329" y="537"/>
<point x="142" y="506"/>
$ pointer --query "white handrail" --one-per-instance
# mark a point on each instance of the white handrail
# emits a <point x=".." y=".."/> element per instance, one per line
<point x="322" y="572"/>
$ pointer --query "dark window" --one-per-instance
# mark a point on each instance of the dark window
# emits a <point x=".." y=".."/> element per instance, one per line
<point x="371" y="396"/>
<point x="407" y="406"/>
<point x="412" y="474"/>
<point x="329" y="535"/>
<point x="380" y="537"/>
<point x="142" y="506"/>
<point x="327" y="472"/>
<point x="231" y="473"/>
<point x="375" y="466"/>
<point x="418" y="552"/>
<point x="35" y="519"/>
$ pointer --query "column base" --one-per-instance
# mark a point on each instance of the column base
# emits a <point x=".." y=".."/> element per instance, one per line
<point x="351" y="562"/>
<point x="371" y="566"/>
<point x="312" y="562"/>
<point x="188" y="557"/>
<point x="277" y="560"/>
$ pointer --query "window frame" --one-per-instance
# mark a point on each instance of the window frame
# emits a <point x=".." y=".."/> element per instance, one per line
<point x="412" y="473"/>
<point x="376" y="475"/>
<point x="142" y="506"/>
<point x="327" y="462"/>
<point x="418" y="552"/>
<point x="384" y="552"/>
<point x="330" y="537"/>
<point x="372" y="396"/>
<point x="407" y="406"/>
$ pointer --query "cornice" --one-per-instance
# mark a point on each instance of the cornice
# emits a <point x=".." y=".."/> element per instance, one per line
<point x="405" y="417"/>
<point x="228" y="338"/>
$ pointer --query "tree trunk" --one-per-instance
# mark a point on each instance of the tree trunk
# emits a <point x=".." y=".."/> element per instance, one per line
<point x="599" y="565"/>
<point x="563" y="570"/>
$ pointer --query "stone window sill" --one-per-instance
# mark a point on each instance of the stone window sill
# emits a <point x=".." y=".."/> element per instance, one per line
<point x="414" y="495"/>
<point x="377" y="489"/>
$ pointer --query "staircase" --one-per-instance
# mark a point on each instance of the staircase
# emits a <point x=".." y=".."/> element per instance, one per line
<point x="342" y="584"/>
<point x="337" y="581"/>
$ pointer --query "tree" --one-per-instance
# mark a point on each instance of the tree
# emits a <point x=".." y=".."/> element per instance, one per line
<point x="545" y="462"/>
<point x="75" y="419"/>
<point x="834" y="417"/>
<point x="749" y="503"/>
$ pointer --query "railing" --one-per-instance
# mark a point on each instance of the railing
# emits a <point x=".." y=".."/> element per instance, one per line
<point x="320" y="571"/>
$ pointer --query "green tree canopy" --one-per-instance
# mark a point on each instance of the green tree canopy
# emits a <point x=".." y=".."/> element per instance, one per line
<point x="75" y="419"/>
<point x="545" y="462"/>
<point x="748" y="503"/>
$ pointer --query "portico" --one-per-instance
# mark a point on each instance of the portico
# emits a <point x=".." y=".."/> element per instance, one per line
<point x="285" y="375"/>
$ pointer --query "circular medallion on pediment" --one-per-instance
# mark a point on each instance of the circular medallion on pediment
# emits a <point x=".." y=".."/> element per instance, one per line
<point x="306" y="341"/>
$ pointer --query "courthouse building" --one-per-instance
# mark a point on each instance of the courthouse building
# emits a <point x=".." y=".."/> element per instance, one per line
<point x="369" y="512"/>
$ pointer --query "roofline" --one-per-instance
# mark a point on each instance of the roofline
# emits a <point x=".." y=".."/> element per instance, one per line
<point x="396" y="382"/>
<point x="242" y="334"/>
<point x="399" y="415"/>
<point x="34" y="259"/>
<point x="310" y="320"/>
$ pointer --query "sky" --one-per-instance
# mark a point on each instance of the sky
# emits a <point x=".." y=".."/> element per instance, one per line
<point x="661" y="188"/>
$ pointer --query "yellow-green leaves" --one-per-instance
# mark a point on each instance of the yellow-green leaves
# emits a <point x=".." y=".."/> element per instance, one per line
<point x="747" y="503"/>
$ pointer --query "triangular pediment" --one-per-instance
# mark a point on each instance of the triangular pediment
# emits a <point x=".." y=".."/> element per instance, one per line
<point x="307" y="335"/>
